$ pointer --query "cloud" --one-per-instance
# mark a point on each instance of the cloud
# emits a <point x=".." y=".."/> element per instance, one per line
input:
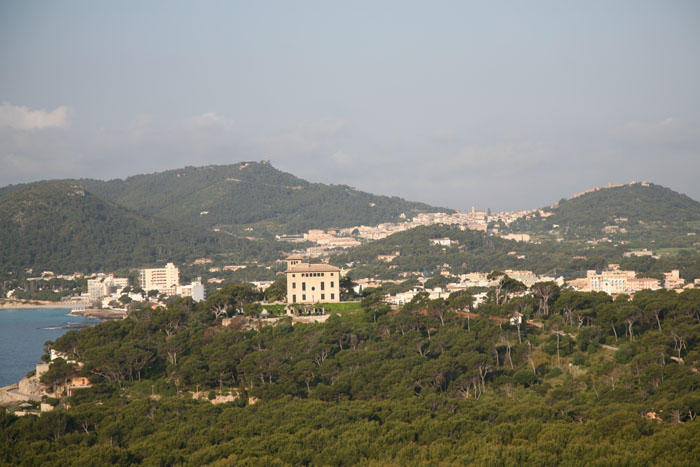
<point x="23" y="118"/>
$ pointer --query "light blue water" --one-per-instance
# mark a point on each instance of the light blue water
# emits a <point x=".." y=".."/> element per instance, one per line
<point x="22" y="336"/>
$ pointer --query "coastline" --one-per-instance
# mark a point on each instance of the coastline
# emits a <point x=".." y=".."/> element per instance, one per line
<point x="87" y="312"/>
<point x="99" y="313"/>
<point x="35" y="304"/>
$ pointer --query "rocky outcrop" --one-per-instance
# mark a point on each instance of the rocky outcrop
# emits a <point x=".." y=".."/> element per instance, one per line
<point x="30" y="386"/>
<point x="10" y="395"/>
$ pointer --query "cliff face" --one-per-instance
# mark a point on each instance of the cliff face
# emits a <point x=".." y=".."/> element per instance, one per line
<point x="12" y="395"/>
<point x="30" y="386"/>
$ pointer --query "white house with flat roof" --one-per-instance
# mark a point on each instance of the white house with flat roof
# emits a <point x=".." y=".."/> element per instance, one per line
<point x="164" y="280"/>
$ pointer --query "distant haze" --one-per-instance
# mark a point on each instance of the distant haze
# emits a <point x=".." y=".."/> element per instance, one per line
<point x="506" y="105"/>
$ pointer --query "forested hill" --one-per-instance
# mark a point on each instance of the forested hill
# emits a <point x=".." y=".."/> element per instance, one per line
<point x="470" y="251"/>
<point x="628" y="206"/>
<point x="589" y="381"/>
<point x="250" y="193"/>
<point x="61" y="227"/>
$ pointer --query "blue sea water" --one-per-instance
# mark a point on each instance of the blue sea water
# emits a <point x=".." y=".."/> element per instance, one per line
<point x="23" y="333"/>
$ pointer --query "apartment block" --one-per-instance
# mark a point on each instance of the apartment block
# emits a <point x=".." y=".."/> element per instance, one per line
<point x="164" y="280"/>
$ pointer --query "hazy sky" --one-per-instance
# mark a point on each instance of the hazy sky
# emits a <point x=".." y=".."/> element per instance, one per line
<point x="496" y="104"/>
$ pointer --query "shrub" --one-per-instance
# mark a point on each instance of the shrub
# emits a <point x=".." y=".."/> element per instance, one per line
<point x="525" y="378"/>
<point x="624" y="354"/>
<point x="579" y="359"/>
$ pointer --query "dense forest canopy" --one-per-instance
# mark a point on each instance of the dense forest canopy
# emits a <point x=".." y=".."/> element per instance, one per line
<point x="249" y="193"/>
<point x="587" y="380"/>
<point x="63" y="228"/>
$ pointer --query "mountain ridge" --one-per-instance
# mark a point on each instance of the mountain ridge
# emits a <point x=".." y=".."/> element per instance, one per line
<point x="61" y="226"/>
<point x="245" y="194"/>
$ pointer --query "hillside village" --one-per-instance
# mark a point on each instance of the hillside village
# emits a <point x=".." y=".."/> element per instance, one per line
<point x="155" y="285"/>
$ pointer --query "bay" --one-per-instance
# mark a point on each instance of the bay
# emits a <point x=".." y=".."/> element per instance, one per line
<point x="23" y="332"/>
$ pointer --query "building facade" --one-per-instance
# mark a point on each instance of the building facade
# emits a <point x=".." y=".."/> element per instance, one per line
<point x="610" y="282"/>
<point x="616" y="281"/>
<point x="194" y="290"/>
<point x="104" y="286"/>
<point x="164" y="280"/>
<point x="312" y="283"/>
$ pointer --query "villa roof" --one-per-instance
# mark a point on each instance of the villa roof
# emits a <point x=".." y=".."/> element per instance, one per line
<point x="305" y="267"/>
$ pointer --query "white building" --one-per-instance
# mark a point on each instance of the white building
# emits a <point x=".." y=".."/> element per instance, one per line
<point x="194" y="290"/>
<point x="445" y="241"/>
<point x="164" y="280"/>
<point x="104" y="286"/>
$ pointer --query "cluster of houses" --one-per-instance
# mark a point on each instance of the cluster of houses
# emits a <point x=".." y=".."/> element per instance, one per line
<point x="105" y="289"/>
<point x="27" y="396"/>
<point x="333" y="239"/>
<point x="318" y="283"/>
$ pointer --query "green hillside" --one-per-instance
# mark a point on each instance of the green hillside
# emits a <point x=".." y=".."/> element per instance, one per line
<point x="473" y="251"/>
<point x="61" y="227"/>
<point x="588" y="381"/>
<point x="633" y="207"/>
<point x="250" y="193"/>
<point x="481" y="252"/>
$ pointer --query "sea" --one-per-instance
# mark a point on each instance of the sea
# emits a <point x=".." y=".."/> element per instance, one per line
<point x="23" y="332"/>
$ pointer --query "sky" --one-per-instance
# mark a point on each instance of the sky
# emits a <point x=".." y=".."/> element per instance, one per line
<point x="500" y="104"/>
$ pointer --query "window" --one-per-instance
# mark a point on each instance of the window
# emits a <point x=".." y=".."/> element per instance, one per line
<point x="303" y="296"/>
<point x="332" y="296"/>
<point x="323" y="284"/>
<point x="323" y="296"/>
<point x="294" y="298"/>
<point x="294" y="285"/>
<point x="303" y="286"/>
<point x="331" y="284"/>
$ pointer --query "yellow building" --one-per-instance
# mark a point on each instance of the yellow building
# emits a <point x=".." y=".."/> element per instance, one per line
<point x="611" y="282"/>
<point x="312" y="283"/>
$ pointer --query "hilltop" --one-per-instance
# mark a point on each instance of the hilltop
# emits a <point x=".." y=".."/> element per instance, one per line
<point x="247" y="194"/>
<point x="628" y="206"/>
<point x="250" y="194"/>
<point x="62" y="227"/>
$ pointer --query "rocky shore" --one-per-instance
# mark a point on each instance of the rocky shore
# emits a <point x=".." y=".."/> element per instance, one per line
<point x="100" y="313"/>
